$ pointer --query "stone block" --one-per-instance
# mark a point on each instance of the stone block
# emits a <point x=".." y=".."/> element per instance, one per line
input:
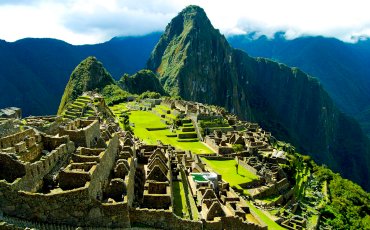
<point x="9" y="150"/>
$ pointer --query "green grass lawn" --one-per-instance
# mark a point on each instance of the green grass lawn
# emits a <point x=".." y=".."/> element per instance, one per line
<point x="179" y="200"/>
<point x="227" y="169"/>
<point x="270" y="199"/>
<point x="145" y="119"/>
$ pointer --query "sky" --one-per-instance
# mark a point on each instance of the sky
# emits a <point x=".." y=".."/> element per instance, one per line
<point x="96" y="21"/>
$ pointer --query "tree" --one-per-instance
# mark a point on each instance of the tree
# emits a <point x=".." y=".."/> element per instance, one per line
<point x="126" y="122"/>
<point x="237" y="148"/>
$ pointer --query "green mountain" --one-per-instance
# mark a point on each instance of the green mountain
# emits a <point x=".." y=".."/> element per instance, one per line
<point x="87" y="76"/>
<point x="34" y="72"/>
<point x="140" y="82"/>
<point x="341" y="67"/>
<point x="194" y="61"/>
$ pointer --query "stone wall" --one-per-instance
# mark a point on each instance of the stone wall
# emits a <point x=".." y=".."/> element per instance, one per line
<point x="211" y="143"/>
<point x="77" y="207"/>
<point x="130" y="182"/>
<point x="104" y="167"/>
<point x="224" y="150"/>
<point x="11" y="140"/>
<point x="8" y="127"/>
<point x="248" y="167"/>
<point x="52" y="208"/>
<point x="83" y="133"/>
<point x="277" y="188"/>
<point x="73" y="207"/>
<point x="52" y="142"/>
<point x="35" y="172"/>
<point x="164" y="219"/>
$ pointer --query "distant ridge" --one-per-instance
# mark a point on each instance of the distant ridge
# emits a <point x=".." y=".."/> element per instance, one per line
<point x="34" y="72"/>
<point x="341" y="67"/>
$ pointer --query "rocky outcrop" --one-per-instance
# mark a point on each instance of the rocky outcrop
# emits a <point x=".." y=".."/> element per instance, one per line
<point x="193" y="60"/>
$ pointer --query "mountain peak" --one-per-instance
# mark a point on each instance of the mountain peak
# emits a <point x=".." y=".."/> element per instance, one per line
<point x="192" y="17"/>
<point x="189" y="40"/>
<point x="193" y="11"/>
<point x="88" y="75"/>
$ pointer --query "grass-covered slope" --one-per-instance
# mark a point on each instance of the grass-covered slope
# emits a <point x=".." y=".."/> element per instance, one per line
<point x="88" y="75"/>
<point x="193" y="60"/>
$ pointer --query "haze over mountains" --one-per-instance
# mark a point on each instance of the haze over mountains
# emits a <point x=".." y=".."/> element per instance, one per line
<point x="195" y="61"/>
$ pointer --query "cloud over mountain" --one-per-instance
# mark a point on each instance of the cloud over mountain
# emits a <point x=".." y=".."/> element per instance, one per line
<point x="80" y="21"/>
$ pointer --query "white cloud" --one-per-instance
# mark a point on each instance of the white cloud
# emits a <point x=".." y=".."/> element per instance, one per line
<point x="82" y="21"/>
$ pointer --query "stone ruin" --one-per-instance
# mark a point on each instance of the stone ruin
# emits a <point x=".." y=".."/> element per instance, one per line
<point x="88" y="172"/>
<point x="76" y="177"/>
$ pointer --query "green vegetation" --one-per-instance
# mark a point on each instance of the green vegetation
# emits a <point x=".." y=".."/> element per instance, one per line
<point x="113" y="94"/>
<point x="214" y="123"/>
<point x="143" y="120"/>
<point x="76" y="108"/>
<point x="238" y="148"/>
<point x="148" y="94"/>
<point x="121" y="113"/>
<point x="301" y="177"/>
<point x="227" y="169"/>
<point x="140" y="82"/>
<point x="349" y="206"/>
<point x="208" y="126"/>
